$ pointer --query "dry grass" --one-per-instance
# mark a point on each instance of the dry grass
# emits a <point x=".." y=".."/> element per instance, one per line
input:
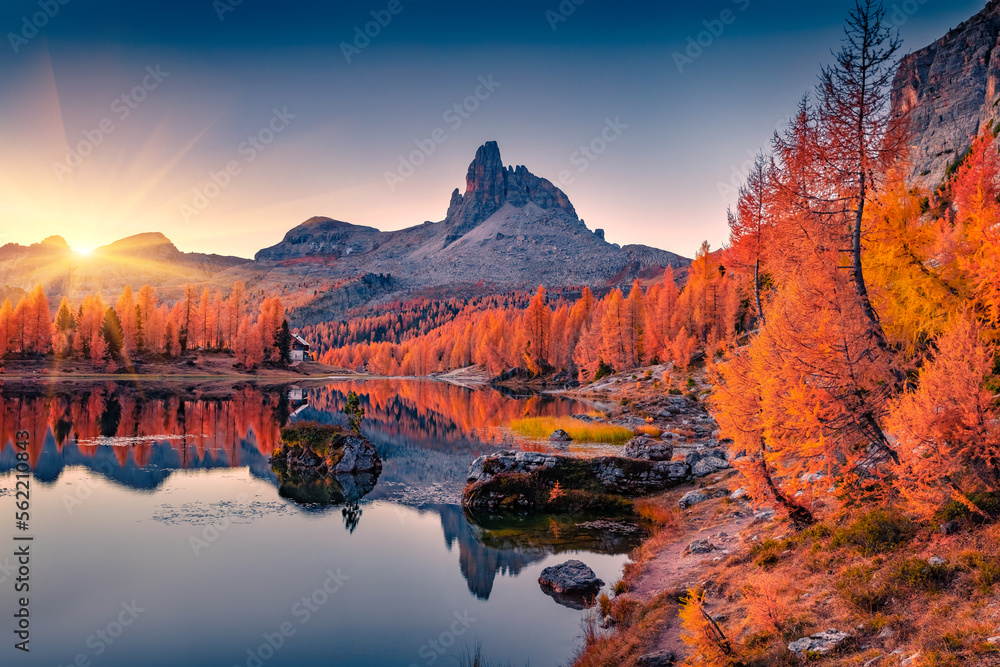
<point x="649" y="430"/>
<point x="543" y="427"/>
<point x="658" y="512"/>
<point x="637" y="625"/>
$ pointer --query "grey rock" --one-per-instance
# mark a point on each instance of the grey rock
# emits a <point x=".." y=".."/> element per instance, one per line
<point x="573" y="576"/>
<point x="700" y="547"/>
<point x="949" y="527"/>
<point x="691" y="498"/>
<point x="822" y="643"/>
<point x="936" y="561"/>
<point x="699" y="496"/>
<point x="560" y="436"/>
<point x="646" y="448"/>
<point x="912" y="661"/>
<point x="762" y="517"/>
<point x="657" y="659"/>
<point x="708" y="466"/>
<point x="739" y="494"/>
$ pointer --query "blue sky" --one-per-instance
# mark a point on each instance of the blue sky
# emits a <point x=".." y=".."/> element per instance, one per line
<point x="256" y="119"/>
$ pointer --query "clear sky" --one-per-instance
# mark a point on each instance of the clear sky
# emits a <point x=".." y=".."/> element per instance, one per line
<point x="115" y="114"/>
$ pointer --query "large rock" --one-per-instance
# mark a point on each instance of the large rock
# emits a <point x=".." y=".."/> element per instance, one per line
<point x="573" y="576"/>
<point x="949" y="91"/>
<point x="523" y="481"/>
<point x="325" y="450"/>
<point x="699" y="496"/>
<point x="646" y="448"/>
<point x="706" y="466"/>
<point x="820" y="643"/>
<point x="657" y="659"/>
<point x="560" y="436"/>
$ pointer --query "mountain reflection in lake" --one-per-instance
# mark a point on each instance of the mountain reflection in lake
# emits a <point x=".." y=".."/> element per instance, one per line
<point x="167" y="497"/>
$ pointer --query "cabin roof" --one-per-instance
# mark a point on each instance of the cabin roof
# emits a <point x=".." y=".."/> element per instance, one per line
<point x="300" y="340"/>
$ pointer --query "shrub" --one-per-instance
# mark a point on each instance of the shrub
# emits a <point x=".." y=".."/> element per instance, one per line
<point x="876" y="532"/>
<point x="603" y="371"/>
<point x="986" y="501"/>
<point x="674" y="391"/>
<point x="987" y="573"/>
<point x="919" y="574"/>
<point x="766" y="553"/>
<point x="604" y="602"/>
<point x="857" y="587"/>
<point x="690" y="383"/>
<point x="657" y="513"/>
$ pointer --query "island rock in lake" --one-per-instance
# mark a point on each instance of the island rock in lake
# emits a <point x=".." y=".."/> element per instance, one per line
<point x="325" y="450"/>
<point x="324" y="465"/>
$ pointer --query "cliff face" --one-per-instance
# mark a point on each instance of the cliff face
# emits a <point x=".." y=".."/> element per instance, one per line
<point x="510" y="228"/>
<point x="488" y="186"/>
<point x="950" y="91"/>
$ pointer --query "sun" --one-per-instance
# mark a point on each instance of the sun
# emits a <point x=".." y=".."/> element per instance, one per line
<point x="83" y="251"/>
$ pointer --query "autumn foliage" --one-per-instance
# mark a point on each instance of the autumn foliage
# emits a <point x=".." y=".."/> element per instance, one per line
<point x="138" y="325"/>
<point x="871" y="368"/>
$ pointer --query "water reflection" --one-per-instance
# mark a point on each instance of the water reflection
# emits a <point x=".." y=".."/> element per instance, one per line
<point x="427" y="435"/>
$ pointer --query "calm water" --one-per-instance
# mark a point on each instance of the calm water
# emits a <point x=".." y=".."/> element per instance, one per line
<point x="163" y="537"/>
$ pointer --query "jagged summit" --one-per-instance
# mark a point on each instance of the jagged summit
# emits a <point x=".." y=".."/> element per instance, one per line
<point x="489" y="185"/>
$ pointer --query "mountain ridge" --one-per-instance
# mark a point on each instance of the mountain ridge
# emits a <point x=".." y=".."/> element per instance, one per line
<point x="950" y="91"/>
<point x="510" y="229"/>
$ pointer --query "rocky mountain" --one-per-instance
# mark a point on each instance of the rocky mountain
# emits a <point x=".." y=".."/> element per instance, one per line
<point x="136" y="260"/>
<point x="950" y="90"/>
<point x="510" y="228"/>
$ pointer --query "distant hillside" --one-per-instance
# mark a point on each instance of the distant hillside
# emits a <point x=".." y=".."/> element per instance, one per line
<point x="136" y="260"/>
<point x="950" y="90"/>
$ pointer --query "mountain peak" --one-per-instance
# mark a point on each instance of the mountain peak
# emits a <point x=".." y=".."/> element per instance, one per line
<point x="141" y="244"/>
<point x="489" y="185"/>
<point x="55" y="242"/>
